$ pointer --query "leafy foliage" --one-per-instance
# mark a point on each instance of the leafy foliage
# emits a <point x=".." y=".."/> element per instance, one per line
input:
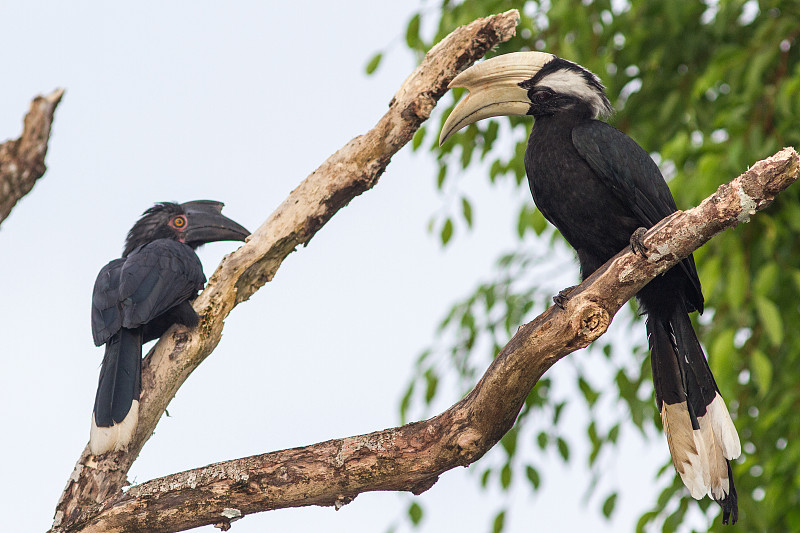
<point x="708" y="88"/>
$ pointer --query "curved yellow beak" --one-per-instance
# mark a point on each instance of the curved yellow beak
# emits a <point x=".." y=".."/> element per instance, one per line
<point x="494" y="89"/>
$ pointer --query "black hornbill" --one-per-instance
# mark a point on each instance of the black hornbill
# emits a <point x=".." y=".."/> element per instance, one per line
<point x="139" y="296"/>
<point x="598" y="186"/>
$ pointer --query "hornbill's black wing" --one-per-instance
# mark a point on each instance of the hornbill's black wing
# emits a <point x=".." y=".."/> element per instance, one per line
<point x="155" y="278"/>
<point x="627" y="169"/>
<point x="106" y="316"/>
<point x="630" y="172"/>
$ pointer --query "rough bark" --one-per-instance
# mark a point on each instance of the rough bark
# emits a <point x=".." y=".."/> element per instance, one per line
<point x="22" y="160"/>
<point x="411" y="457"/>
<point x="352" y="170"/>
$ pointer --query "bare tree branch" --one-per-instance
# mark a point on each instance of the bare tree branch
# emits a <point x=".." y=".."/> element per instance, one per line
<point x="411" y="457"/>
<point x="352" y="170"/>
<point x="22" y="160"/>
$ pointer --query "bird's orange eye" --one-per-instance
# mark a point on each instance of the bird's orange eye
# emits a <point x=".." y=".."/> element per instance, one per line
<point x="179" y="222"/>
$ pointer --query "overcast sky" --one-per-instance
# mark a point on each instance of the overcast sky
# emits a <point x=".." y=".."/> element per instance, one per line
<point x="238" y="102"/>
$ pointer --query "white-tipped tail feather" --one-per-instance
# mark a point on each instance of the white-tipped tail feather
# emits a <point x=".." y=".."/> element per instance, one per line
<point x="718" y="466"/>
<point x="685" y="447"/>
<point x="722" y="442"/>
<point x="700" y="455"/>
<point x="723" y="428"/>
<point x="116" y="437"/>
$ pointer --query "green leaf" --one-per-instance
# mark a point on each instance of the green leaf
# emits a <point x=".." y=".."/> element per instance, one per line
<point x="466" y="209"/>
<point x="488" y="297"/>
<point x="613" y="433"/>
<point x="485" y="477"/>
<point x="406" y="402"/>
<point x="431" y="382"/>
<point x="722" y="355"/>
<point x="532" y="218"/>
<point x="710" y="269"/>
<point x="539" y="222"/>
<point x="419" y="136"/>
<point x="440" y="177"/>
<point x="770" y="318"/>
<point x="592" y="432"/>
<point x="597" y="444"/>
<point x="533" y="476"/>
<point x="766" y="279"/>
<point x="505" y="476"/>
<point x="412" y="32"/>
<point x="557" y="410"/>
<point x="607" y="350"/>
<point x="737" y="278"/>
<point x="563" y="448"/>
<point x="672" y="521"/>
<point x="542" y="439"/>
<point x="468" y="144"/>
<point x="489" y="137"/>
<point x="588" y="392"/>
<point x="415" y="513"/>
<point x="762" y="371"/>
<point x="608" y="505"/>
<point x="509" y="441"/>
<point x="373" y="63"/>
<point x="499" y="522"/>
<point x="447" y="231"/>
<point x="495" y="170"/>
<point x="645" y="519"/>
<point x="522" y="222"/>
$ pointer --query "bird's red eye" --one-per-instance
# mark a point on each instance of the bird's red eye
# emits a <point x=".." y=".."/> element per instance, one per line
<point x="178" y="222"/>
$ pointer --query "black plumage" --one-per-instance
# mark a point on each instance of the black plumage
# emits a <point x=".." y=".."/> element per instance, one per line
<point x="139" y="296"/>
<point x="598" y="186"/>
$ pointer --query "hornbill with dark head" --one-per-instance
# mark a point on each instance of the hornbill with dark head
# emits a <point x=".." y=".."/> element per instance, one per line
<point x="598" y="187"/>
<point x="139" y="296"/>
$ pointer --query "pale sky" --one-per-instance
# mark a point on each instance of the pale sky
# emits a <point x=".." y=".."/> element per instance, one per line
<point x="238" y="102"/>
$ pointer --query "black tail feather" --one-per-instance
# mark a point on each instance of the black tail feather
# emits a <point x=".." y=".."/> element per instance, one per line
<point x="667" y="378"/>
<point x="119" y="388"/>
<point x="730" y="504"/>
<point x="120" y="378"/>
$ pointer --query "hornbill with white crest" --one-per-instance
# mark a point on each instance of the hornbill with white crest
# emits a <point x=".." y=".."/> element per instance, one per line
<point x="139" y="296"/>
<point x="598" y="187"/>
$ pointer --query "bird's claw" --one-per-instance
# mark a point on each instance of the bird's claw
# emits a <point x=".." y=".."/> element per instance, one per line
<point x="561" y="298"/>
<point x="637" y="242"/>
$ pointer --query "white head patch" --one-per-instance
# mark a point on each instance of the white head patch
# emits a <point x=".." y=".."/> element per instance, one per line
<point x="575" y="83"/>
